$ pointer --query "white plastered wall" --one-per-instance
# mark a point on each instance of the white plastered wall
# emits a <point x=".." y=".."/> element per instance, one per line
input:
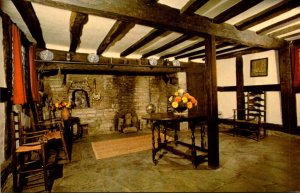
<point x="226" y="77"/>
<point x="226" y="70"/>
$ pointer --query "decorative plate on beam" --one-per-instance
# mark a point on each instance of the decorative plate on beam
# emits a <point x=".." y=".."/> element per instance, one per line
<point x="46" y="55"/>
<point x="93" y="58"/>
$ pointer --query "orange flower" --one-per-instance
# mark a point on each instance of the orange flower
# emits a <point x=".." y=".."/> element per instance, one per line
<point x="187" y="95"/>
<point x="189" y="105"/>
<point x="193" y="100"/>
<point x="178" y="99"/>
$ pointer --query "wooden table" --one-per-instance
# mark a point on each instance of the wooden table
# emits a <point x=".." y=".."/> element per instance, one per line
<point x="168" y="120"/>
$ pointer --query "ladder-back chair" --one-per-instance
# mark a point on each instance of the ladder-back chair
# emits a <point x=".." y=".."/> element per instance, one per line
<point x="251" y="119"/>
<point x="31" y="162"/>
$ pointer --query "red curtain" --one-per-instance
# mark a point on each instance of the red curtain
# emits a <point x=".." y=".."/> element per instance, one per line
<point x="295" y="51"/>
<point x="19" y="95"/>
<point x="33" y="76"/>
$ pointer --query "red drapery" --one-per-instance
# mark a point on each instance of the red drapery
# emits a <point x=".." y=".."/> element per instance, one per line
<point x="295" y="51"/>
<point x="19" y="95"/>
<point x="33" y="76"/>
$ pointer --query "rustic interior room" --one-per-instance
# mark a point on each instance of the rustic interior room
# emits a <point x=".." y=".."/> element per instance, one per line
<point x="150" y="95"/>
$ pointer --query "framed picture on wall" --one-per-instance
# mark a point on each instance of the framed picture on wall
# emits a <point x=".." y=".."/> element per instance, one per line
<point x="259" y="67"/>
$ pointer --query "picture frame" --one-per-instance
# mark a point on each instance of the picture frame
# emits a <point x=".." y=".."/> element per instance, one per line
<point x="259" y="67"/>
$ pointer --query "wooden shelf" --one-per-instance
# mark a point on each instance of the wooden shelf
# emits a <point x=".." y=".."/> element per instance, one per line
<point x="86" y="67"/>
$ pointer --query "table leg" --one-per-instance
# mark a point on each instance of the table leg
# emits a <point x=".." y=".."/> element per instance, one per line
<point x="175" y="135"/>
<point x="158" y="134"/>
<point x="202" y="135"/>
<point x="153" y="145"/>
<point x="194" y="153"/>
<point x="165" y="135"/>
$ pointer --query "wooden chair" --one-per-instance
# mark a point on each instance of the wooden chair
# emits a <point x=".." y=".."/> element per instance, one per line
<point x="30" y="158"/>
<point x="250" y="120"/>
<point x="55" y="136"/>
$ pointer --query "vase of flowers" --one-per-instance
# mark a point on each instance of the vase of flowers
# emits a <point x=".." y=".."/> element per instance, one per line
<point x="182" y="100"/>
<point x="64" y="106"/>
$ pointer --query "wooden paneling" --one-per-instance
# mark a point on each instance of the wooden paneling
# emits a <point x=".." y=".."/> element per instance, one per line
<point x="196" y="75"/>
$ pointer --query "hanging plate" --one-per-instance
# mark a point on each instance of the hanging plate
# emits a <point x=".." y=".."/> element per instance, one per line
<point x="93" y="58"/>
<point x="153" y="61"/>
<point x="46" y="55"/>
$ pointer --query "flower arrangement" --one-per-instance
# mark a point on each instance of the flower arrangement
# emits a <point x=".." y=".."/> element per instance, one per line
<point x="182" y="100"/>
<point x="59" y="105"/>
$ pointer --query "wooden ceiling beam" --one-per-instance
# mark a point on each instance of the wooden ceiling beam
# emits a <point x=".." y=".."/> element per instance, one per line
<point x="168" y="45"/>
<point x="267" y="14"/>
<point x="279" y="24"/>
<point x="291" y="35"/>
<point x="165" y="17"/>
<point x="235" y="10"/>
<point x="242" y="52"/>
<point x="119" y="30"/>
<point x="150" y="1"/>
<point x="192" y="6"/>
<point x="145" y="40"/>
<point x="77" y="21"/>
<point x="180" y="52"/>
<point x="188" y="8"/>
<point x="202" y="55"/>
<point x="28" y="14"/>
<point x="224" y="44"/>
<point x="285" y="30"/>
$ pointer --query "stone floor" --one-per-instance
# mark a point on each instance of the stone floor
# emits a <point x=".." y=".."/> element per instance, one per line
<point x="270" y="165"/>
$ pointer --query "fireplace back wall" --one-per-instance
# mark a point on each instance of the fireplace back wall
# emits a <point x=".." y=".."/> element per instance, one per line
<point x="110" y="94"/>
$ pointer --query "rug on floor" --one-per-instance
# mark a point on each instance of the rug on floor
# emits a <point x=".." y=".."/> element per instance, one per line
<point x="123" y="146"/>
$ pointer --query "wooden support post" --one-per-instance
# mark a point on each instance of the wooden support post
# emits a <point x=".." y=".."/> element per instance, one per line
<point x="213" y="133"/>
<point x="240" y="87"/>
<point x="288" y="99"/>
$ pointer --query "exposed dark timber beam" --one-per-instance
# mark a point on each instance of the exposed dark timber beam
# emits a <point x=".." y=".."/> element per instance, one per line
<point x="218" y="52"/>
<point x="192" y="6"/>
<point x="269" y="87"/>
<point x="285" y="30"/>
<point x="267" y="14"/>
<point x="146" y="39"/>
<point x="28" y="14"/>
<point x="150" y="1"/>
<point x="279" y="24"/>
<point x="165" y="17"/>
<point x="201" y="51"/>
<point x="107" y="69"/>
<point x="233" y="54"/>
<point x="242" y="52"/>
<point x="235" y="10"/>
<point x="77" y="21"/>
<point x="192" y="47"/>
<point x="291" y="35"/>
<point x="296" y="42"/>
<point x="167" y="46"/>
<point x="119" y="30"/>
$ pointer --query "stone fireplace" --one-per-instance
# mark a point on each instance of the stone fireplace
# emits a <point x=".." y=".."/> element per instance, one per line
<point x="99" y="98"/>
